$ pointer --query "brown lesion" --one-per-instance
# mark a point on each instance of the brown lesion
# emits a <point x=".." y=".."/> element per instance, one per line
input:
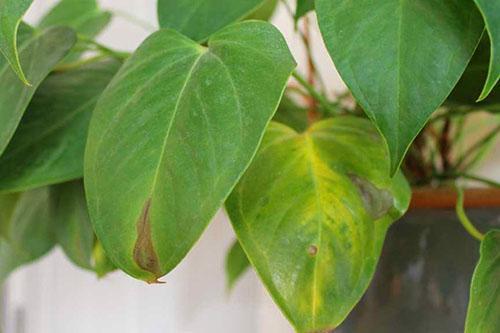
<point x="144" y="253"/>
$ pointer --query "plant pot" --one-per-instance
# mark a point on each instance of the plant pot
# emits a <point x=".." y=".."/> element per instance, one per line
<point x="423" y="277"/>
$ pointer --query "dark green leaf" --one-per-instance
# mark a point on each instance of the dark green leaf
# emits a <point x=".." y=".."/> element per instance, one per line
<point x="264" y="12"/>
<point x="303" y="7"/>
<point x="236" y="264"/>
<point x="73" y="230"/>
<point x="29" y="231"/>
<point x="400" y="59"/>
<point x="39" y="53"/>
<point x="483" y="315"/>
<point x="312" y="212"/>
<point x="292" y="115"/>
<point x="11" y="13"/>
<point x="171" y="136"/>
<point x="49" y="145"/>
<point x="490" y="9"/>
<point x="198" y="19"/>
<point x="84" y="16"/>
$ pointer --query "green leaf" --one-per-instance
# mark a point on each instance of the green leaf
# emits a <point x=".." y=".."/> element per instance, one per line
<point x="198" y="19"/>
<point x="292" y="115"/>
<point x="490" y="9"/>
<point x="49" y="144"/>
<point x="303" y="7"/>
<point x="11" y="13"/>
<point x="171" y="136"/>
<point x="312" y="212"/>
<point x="265" y="11"/>
<point x="39" y="53"/>
<point x="236" y="264"/>
<point x="73" y="230"/>
<point x="484" y="305"/>
<point x="7" y="205"/>
<point x="83" y="16"/>
<point x="29" y="231"/>
<point x="102" y="264"/>
<point x="400" y="59"/>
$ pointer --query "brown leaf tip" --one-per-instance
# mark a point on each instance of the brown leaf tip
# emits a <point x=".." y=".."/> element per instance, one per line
<point x="312" y="250"/>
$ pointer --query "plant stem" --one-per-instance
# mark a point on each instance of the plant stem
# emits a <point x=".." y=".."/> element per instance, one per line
<point x="478" y="145"/>
<point x="132" y="19"/>
<point x="464" y="219"/>
<point x="483" y="180"/>
<point x="312" y="91"/>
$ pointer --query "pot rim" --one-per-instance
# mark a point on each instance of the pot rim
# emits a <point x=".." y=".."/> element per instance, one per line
<point x="446" y="198"/>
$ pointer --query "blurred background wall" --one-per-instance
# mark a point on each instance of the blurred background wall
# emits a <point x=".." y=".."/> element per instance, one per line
<point x="52" y="296"/>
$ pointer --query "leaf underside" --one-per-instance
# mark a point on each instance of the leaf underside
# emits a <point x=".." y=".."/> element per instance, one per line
<point x="311" y="213"/>
<point x="171" y="136"/>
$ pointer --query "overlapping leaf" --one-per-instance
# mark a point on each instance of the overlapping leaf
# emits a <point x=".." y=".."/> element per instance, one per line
<point x="312" y="212"/>
<point x="490" y="9"/>
<point x="39" y="53"/>
<point x="49" y="145"/>
<point x="29" y="230"/>
<point x="198" y="19"/>
<point x="236" y="264"/>
<point x="11" y="13"/>
<point x="171" y="136"/>
<point x="484" y="304"/>
<point x="303" y="7"/>
<point x="400" y="59"/>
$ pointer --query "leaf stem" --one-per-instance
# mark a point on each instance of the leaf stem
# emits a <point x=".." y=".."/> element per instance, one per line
<point x="317" y="96"/>
<point x="464" y="219"/>
<point x="135" y="20"/>
<point x="478" y="145"/>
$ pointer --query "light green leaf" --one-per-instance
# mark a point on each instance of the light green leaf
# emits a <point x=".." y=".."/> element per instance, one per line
<point x="484" y="304"/>
<point x="84" y="16"/>
<point x="11" y="13"/>
<point x="490" y="9"/>
<point x="30" y="231"/>
<point x="312" y="212"/>
<point x="73" y="230"/>
<point x="400" y="59"/>
<point x="49" y="144"/>
<point x="171" y="136"/>
<point x="236" y="264"/>
<point x="303" y="7"/>
<point x="39" y="53"/>
<point x="198" y="19"/>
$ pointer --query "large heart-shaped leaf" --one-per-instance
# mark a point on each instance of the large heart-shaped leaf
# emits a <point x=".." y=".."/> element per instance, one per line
<point x="39" y="53"/>
<point x="73" y="230"/>
<point x="49" y="144"/>
<point x="400" y="59"/>
<point x="11" y="13"/>
<point x="312" y="212"/>
<point x="198" y="19"/>
<point x="483" y="315"/>
<point x="171" y="136"/>
<point x="84" y="16"/>
<point x="490" y="9"/>
<point x="29" y="231"/>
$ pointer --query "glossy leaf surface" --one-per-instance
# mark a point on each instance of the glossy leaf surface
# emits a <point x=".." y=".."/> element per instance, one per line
<point x="400" y="59"/>
<point x="484" y="305"/>
<point x="312" y="212"/>
<point x="198" y="19"/>
<point x="39" y="53"/>
<point x="171" y="136"/>
<point x="84" y="16"/>
<point x="490" y="9"/>
<point x="11" y="13"/>
<point x="49" y="144"/>
<point x="73" y="230"/>
<point x="29" y="231"/>
<point x="236" y="264"/>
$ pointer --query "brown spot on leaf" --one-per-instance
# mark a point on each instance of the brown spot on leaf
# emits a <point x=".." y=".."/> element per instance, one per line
<point x="377" y="202"/>
<point x="144" y="253"/>
<point x="312" y="250"/>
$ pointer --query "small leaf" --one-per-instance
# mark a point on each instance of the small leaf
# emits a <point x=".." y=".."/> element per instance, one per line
<point x="236" y="264"/>
<point x="400" y="59"/>
<point x="39" y="53"/>
<point x="484" y="304"/>
<point x="29" y="231"/>
<point x="303" y="7"/>
<point x="312" y="212"/>
<point x="49" y="145"/>
<point x="198" y="19"/>
<point x="171" y="136"/>
<point x="490" y="9"/>
<point x="83" y="16"/>
<point x="11" y="13"/>
<point x="73" y="230"/>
